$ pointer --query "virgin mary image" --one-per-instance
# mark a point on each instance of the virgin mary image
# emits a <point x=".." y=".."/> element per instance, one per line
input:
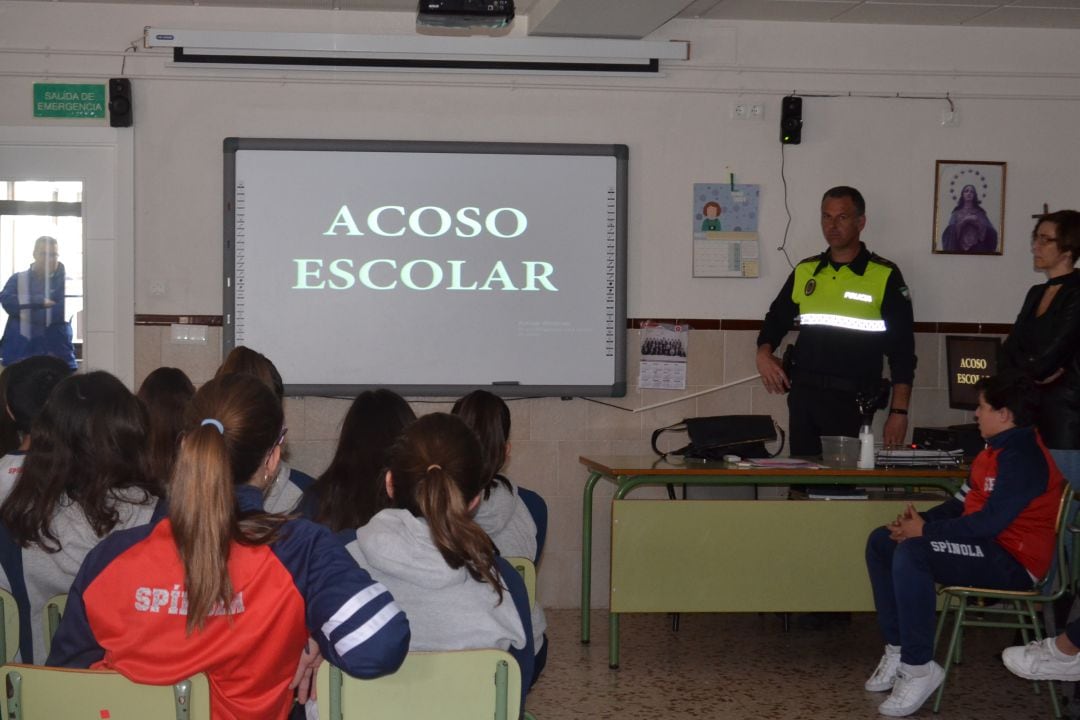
<point x="969" y="229"/>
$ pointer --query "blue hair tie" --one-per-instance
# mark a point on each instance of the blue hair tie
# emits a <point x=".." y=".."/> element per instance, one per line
<point x="215" y="423"/>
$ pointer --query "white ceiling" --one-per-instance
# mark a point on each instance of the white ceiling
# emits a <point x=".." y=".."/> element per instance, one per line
<point x="637" y="18"/>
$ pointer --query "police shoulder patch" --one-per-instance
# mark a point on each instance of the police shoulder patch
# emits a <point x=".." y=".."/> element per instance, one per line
<point x="874" y="257"/>
<point x="905" y="292"/>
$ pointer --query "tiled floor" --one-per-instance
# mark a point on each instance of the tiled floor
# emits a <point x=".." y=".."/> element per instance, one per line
<point x="744" y="666"/>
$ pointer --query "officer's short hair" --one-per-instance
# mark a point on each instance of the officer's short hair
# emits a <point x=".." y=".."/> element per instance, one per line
<point x="1011" y="389"/>
<point x="843" y="191"/>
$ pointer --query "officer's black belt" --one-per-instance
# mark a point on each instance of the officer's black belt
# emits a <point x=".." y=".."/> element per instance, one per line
<point x="832" y="382"/>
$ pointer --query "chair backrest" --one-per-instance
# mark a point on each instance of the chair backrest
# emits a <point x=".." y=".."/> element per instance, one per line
<point x="1058" y="577"/>
<point x="451" y="685"/>
<point x="46" y="693"/>
<point x="50" y="617"/>
<point x="9" y="625"/>
<point x="525" y="567"/>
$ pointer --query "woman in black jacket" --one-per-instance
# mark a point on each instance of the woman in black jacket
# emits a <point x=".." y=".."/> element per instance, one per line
<point x="1045" y="340"/>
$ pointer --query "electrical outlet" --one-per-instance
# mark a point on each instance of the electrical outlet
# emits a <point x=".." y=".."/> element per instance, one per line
<point x="747" y="111"/>
<point x="950" y="118"/>
<point x="188" y="334"/>
<point x="157" y="288"/>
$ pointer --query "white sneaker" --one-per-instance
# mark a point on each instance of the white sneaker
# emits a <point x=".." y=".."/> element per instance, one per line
<point x="885" y="675"/>
<point x="910" y="692"/>
<point x="1040" y="660"/>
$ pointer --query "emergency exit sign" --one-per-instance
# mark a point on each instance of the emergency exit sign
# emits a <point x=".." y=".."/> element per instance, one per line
<point x="59" y="100"/>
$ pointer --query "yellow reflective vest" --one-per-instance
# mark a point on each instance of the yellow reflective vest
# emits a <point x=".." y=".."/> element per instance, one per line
<point x="840" y="298"/>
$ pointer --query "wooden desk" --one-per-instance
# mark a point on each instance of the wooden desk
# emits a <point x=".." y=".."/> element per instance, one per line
<point x="696" y="555"/>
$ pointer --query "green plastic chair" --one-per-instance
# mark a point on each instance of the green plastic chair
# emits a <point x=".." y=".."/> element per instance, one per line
<point x="44" y="693"/>
<point x="451" y="685"/>
<point x="1017" y="609"/>
<point x="527" y="570"/>
<point x="50" y="616"/>
<point x="9" y="625"/>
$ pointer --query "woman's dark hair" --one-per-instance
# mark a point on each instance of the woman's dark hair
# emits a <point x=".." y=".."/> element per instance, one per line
<point x="489" y="417"/>
<point x="211" y="462"/>
<point x="88" y="441"/>
<point x="351" y="490"/>
<point x="437" y="470"/>
<point x="243" y="359"/>
<point x="166" y="393"/>
<point x="1014" y="390"/>
<point x="1067" y="224"/>
<point x="28" y="384"/>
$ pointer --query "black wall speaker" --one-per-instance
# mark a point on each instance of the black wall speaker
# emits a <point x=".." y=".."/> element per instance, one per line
<point x="791" y="120"/>
<point x="120" y="110"/>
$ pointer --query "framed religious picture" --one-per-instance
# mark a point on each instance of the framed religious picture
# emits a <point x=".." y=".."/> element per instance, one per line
<point x="969" y="207"/>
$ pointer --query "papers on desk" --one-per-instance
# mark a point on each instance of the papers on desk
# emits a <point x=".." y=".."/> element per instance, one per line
<point x="910" y="457"/>
<point x="836" y="492"/>
<point x="785" y="463"/>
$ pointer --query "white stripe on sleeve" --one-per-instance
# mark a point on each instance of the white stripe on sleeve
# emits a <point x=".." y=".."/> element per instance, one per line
<point x="961" y="494"/>
<point x="352" y="606"/>
<point x="365" y="631"/>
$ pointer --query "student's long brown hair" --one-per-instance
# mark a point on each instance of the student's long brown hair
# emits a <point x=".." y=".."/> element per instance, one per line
<point x="166" y="393"/>
<point x="489" y="417"/>
<point x="88" y="442"/>
<point x="211" y="462"/>
<point x="437" y="469"/>
<point x="351" y="491"/>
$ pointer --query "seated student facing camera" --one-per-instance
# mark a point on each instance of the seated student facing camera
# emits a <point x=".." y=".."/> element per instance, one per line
<point x="996" y="532"/>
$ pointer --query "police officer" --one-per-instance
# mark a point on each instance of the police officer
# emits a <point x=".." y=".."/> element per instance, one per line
<point x="852" y="308"/>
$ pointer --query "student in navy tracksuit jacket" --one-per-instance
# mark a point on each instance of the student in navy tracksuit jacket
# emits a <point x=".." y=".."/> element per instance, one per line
<point x="222" y="587"/>
<point x="998" y="532"/>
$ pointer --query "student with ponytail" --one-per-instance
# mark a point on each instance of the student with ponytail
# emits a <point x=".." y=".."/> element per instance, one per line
<point x="427" y="549"/>
<point x="503" y="513"/>
<point x="85" y="475"/>
<point x="222" y="587"/>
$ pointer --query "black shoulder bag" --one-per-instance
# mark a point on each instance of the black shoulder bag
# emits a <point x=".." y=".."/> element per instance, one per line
<point x="711" y="438"/>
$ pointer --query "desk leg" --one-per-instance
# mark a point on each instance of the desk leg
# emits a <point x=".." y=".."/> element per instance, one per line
<point x="613" y="640"/>
<point x="586" y="554"/>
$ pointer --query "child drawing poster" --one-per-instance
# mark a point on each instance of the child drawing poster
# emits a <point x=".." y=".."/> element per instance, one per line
<point x="725" y="230"/>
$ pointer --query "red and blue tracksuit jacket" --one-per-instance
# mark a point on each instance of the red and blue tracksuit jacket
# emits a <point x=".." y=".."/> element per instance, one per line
<point x="1012" y="495"/>
<point x="127" y="610"/>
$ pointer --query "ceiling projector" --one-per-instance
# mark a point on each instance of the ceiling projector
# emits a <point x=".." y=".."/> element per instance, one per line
<point x="465" y="13"/>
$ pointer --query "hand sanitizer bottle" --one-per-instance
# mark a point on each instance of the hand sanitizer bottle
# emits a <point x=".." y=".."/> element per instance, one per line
<point x="866" y="448"/>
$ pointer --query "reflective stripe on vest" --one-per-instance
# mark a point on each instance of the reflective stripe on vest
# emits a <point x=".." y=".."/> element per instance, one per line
<point x="840" y="321"/>
<point x="840" y="298"/>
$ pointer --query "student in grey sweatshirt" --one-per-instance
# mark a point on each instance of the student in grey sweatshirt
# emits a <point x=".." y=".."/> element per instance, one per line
<point x="502" y="511"/>
<point x="86" y="475"/>
<point x="440" y="566"/>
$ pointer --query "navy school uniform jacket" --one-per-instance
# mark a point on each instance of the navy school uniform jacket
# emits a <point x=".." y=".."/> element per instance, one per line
<point x="127" y="612"/>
